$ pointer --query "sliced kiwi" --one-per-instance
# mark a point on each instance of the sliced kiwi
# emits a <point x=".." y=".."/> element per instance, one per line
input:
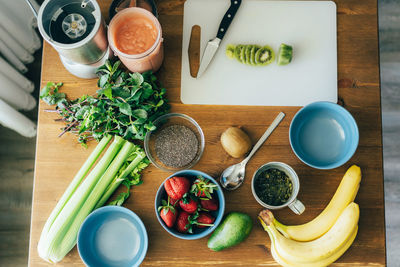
<point x="264" y="56"/>
<point x="243" y="55"/>
<point x="253" y="54"/>
<point x="230" y="51"/>
<point x="285" y="54"/>
<point x="256" y="55"/>
<point x="248" y="54"/>
<point x="238" y="50"/>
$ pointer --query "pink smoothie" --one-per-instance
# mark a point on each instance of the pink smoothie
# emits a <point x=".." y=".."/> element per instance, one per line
<point x="135" y="37"/>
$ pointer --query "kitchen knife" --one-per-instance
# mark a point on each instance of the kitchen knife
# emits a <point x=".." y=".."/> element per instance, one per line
<point x="213" y="44"/>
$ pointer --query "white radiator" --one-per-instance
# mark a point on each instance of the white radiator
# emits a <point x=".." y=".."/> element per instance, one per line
<point x="18" y="41"/>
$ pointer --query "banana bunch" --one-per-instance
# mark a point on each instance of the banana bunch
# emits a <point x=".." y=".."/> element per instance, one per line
<point x="323" y="240"/>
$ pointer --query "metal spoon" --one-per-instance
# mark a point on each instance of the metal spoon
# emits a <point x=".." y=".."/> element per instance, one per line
<point x="233" y="176"/>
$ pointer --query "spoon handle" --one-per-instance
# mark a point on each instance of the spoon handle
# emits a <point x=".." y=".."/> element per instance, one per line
<point x="265" y="136"/>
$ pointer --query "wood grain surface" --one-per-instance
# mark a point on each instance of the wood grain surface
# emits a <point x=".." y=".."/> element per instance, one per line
<point x="58" y="159"/>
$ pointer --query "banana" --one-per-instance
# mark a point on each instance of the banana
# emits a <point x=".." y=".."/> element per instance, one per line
<point x="344" y="195"/>
<point x="316" y="250"/>
<point x="321" y="263"/>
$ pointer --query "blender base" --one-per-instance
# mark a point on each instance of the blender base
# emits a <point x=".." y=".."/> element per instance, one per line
<point x="85" y="71"/>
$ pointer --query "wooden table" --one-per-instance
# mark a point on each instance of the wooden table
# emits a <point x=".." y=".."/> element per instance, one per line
<point x="58" y="159"/>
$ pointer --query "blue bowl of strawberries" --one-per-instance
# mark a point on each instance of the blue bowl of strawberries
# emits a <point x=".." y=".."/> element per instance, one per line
<point x="190" y="204"/>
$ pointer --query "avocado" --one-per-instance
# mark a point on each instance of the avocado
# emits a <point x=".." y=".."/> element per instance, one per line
<point x="233" y="230"/>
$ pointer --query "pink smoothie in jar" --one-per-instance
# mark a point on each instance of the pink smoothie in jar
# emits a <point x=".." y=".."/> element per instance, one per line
<point x="135" y="36"/>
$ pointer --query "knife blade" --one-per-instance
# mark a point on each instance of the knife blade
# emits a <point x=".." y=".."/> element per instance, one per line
<point x="213" y="44"/>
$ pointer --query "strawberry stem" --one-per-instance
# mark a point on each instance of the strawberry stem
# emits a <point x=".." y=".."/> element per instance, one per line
<point x="204" y="224"/>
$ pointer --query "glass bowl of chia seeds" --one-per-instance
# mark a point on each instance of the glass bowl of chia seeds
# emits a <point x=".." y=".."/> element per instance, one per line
<point x="176" y="144"/>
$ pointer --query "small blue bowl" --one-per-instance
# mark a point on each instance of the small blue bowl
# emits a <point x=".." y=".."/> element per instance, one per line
<point x="112" y="236"/>
<point x="198" y="232"/>
<point x="323" y="135"/>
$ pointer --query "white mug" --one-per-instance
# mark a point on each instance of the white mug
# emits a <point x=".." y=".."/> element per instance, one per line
<point x="293" y="203"/>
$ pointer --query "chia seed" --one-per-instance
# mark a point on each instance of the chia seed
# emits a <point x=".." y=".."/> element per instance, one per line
<point x="176" y="146"/>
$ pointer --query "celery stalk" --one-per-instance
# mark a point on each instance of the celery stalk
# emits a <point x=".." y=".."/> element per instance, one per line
<point x="75" y="183"/>
<point x="69" y="239"/>
<point x="119" y="179"/>
<point x="61" y="224"/>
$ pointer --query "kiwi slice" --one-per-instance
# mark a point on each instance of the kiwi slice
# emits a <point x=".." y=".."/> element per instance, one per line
<point x="248" y="54"/>
<point x="264" y="56"/>
<point x="238" y="50"/>
<point x="285" y="54"/>
<point x="253" y="54"/>
<point x="230" y="51"/>
<point x="243" y="55"/>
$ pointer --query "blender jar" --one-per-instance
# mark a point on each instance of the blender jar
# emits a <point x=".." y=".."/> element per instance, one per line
<point x="150" y="59"/>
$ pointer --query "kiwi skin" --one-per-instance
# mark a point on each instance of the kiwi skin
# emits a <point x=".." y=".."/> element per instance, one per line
<point x="261" y="52"/>
<point x="230" y="51"/>
<point x="285" y="54"/>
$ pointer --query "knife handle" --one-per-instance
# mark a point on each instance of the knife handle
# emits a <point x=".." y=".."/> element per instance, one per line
<point x="228" y="17"/>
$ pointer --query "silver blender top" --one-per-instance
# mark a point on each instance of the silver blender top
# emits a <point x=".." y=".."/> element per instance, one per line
<point x="74" y="25"/>
<point x="76" y="29"/>
<point x="72" y="22"/>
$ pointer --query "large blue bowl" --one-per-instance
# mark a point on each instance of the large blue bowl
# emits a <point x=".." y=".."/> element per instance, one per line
<point x="198" y="232"/>
<point x="112" y="236"/>
<point x="323" y="135"/>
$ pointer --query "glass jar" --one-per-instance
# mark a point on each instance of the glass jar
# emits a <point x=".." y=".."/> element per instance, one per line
<point x="152" y="58"/>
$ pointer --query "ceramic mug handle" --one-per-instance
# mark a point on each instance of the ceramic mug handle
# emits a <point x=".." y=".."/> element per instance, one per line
<point x="297" y="207"/>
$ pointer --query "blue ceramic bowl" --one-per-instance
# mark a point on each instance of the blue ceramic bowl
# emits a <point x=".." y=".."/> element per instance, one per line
<point x="198" y="232"/>
<point x="112" y="236"/>
<point x="323" y="135"/>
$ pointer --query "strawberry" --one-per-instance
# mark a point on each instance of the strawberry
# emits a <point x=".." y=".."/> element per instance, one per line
<point x="203" y="187"/>
<point x="209" y="204"/>
<point x="188" y="203"/>
<point x="202" y="219"/>
<point x="176" y="187"/>
<point x="168" y="213"/>
<point x="182" y="222"/>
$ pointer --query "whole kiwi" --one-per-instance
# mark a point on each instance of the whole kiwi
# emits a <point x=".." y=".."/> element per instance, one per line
<point x="235" y="142"/>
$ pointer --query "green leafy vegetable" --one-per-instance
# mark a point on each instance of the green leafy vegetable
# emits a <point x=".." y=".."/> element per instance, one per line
<point x="50" y="94"/>
<point x="126" y="104"/>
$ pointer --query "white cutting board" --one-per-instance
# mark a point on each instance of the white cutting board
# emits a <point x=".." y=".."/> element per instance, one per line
<point x="309" y="26"/>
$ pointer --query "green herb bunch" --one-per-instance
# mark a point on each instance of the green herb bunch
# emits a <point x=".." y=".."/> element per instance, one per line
<point x="126" y="105"/>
